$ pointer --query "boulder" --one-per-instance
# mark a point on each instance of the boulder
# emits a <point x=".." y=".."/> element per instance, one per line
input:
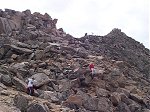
<point x="74" y="99"/>
<point x="6" y="80"/>
<point x="39" y="54"/>
<point x="104" y="105"/>
<point x="65" y="85"/>
<point x="122" y="107"/>
<point x="41" y="79"/>
<point x="19" y="84"/>
<point x="18" y="49"/>
<point x="36" y="107"/>
<point x="7" y="25"/>
<point x="2" y="87"/>
<point x="135" y="107"/>
<point x="136" y="98"/>
<point x="21" y="102"/>
<point x="91" y="104"/>
<point x="115" y="98"/>
<point x="51" y="96"/>
<point x="102" y="92"/>
<point x="97" y="104"/>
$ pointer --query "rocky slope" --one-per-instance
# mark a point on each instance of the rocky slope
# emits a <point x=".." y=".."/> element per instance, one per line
<point x="32" y="46"/>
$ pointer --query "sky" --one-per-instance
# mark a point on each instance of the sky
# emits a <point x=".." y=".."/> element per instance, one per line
<point x="97" y="17"/>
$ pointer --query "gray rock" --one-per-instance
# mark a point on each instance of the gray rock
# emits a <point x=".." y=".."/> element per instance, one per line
<point x="136" y="98"/>
<point x="101" y="92"/>
<point x="41" y="79"/>
<point x="104" y="105"/>
<point x="19" y="84"/>
<point x="18" y="49"/>
<point x="51" y="96"/>
<point x="122" y="107"/>
<point x="7" y="25"/>
<point x="2" y="86"/>
<point x="6" y="80"/>
<point x="21" y="102"/>
<point x="35" y="107"/>
<point x="91" y="104"/>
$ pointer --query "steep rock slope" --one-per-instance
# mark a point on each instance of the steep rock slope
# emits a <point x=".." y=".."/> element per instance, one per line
<point x="32" y="46"/>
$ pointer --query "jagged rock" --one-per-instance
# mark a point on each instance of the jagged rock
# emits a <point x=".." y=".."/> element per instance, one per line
<point x="126" y="99"/>
<point x="7" y="25"/>
<point x="136" y="98"/>
<point x="6" y="80"/>
<point x="97" y="104"/>
<point x="84" y="95"/>
<point x="2" y="87"/>
<point x="23" y="45"/>
<point x="64" y="85"/>
<point x="102" y="92"/>
<point x="75" y="100"/>
<point x="27" y="12"/>
<point x="104" y="105"/>
<point x="122" y="107"/>
<point x="20" y="69"/>
<point x="91" y="104"/>
<point x="4" y="93"/>
<point x="36" y="107"/>
<point x="39" y="54"/>
<point x="19" y="84"/>
<point x="21" y="65"/>
<point x="41" y="79"/>
<point x="123" y="90"/>
<point x="21" y="102"/>
<point x="18" y="49"/>
<point x="135" y="107"/>
<point x="115" y="98"/>
<point x="51" y="96"/>
<point x="14" y="56"/>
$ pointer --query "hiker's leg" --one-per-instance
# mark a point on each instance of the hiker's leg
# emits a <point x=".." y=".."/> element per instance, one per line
<point x="32" y="91"/>
<point x="92" y="74"/>
<point x="29" y="90"/>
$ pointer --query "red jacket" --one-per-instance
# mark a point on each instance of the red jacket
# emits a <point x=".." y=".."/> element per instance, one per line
<point x="91" y="66"/>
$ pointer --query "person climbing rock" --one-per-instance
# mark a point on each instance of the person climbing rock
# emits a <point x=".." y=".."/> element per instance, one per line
<point x="30" y="89"/>
<point x="91" y="66"/>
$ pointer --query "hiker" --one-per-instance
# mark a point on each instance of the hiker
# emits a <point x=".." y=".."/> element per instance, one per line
<point x="30" y="89"/>
<point x="91" y="66"/>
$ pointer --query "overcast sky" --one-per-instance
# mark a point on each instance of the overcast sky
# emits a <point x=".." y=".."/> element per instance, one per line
<point x="78" y="17"/>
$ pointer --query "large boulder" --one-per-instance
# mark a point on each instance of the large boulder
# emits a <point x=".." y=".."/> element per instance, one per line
<point x="65" y="85"/>
<point x="97" y="104"/>
<point x="40" y="79"/>
<point x="18" y="49"/>
<point x="91" y="104"/>
<point x="136" y="98"/>
<point x="36" y="107"/>
<point x="6" y="80"/>
<point x="102" y="92"/>
<point x="115" y="98"/>
<point x="19" y="84"/>
<point x="7" y="25"/>
<point x="51" y="96"/>
<point x="21" y="102"/>
<point x="122" y="107"/>
<point x="75" y="101"/>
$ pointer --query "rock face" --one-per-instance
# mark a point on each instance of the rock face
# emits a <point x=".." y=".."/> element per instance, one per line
<point x="31" y="46"/>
